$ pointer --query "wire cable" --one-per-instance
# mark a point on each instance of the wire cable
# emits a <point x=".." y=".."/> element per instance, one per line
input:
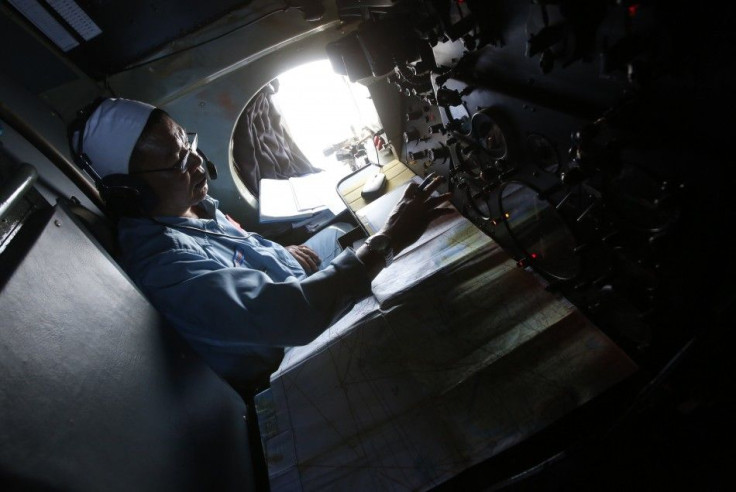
<point x="202" y="43"/>
<point x="203" y="231"/>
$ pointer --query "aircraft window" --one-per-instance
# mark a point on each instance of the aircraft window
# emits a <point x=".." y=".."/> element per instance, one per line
<point x="324" y="111"/>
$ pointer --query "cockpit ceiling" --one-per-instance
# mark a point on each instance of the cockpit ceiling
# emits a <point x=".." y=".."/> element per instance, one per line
<point x="104" y="37"/>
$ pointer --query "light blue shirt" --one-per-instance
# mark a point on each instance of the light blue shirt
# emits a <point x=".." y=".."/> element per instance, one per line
<point x="238" y="300"/>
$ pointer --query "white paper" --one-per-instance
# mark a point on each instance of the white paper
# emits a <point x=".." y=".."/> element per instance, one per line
<point x="276" y="202"/>
<point x="450" y="241"/>
<point x="310" y="190"/>
<point x="301" y="196"/>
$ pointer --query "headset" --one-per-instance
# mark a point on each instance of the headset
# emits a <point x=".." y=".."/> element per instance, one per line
<point x="123" y="194"/>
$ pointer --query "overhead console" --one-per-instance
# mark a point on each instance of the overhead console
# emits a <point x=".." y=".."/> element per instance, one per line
<point x="571" y="133"/>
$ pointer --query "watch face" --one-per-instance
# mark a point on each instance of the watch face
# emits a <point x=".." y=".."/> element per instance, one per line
<point x="380" y="243"/>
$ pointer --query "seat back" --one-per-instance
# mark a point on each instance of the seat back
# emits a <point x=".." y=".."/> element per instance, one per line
<point x="98" y="392"/>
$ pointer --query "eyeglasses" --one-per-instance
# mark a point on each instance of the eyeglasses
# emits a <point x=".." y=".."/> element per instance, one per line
<point x="180" y="166"/>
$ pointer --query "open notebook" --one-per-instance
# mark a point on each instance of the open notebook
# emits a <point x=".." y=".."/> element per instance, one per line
<point x="300" y="197"/>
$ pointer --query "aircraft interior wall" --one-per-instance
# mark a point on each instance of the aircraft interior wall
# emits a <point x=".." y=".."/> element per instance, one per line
<point x="591" y="139"/>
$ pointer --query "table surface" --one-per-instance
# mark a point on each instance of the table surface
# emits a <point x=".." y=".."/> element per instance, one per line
<point x="397" y="173"/>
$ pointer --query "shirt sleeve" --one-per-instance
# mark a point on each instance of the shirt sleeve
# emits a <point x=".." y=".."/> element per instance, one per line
<point x="237" y="307"/>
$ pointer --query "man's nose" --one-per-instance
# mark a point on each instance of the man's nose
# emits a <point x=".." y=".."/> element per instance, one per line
<point x="194" y="161"/>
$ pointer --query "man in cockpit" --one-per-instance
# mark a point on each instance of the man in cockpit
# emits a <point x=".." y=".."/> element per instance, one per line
<point x="238" y="298"/>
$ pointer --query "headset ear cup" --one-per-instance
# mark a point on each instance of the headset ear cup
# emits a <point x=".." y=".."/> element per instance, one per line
<point x="127" y="195"/>
<point x="148" y="199"/>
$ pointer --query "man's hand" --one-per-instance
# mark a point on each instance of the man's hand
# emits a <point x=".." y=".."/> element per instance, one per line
<point x="307" y="258"/>
<point x="416" y="209"/>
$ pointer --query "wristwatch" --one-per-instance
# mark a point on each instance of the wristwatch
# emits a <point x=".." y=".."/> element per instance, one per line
<point x="381" y="245"/>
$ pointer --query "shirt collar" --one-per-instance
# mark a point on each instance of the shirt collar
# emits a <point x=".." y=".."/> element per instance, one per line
<point x="209" y="204"/>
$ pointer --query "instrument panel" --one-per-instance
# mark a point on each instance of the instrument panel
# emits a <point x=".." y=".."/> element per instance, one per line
<point x="564" y="132"/>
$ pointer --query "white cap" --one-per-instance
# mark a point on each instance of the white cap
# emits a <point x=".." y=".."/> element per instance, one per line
<point x="111" y="133"/>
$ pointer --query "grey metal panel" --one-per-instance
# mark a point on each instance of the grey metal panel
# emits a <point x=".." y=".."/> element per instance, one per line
<point x="12" y="191"/>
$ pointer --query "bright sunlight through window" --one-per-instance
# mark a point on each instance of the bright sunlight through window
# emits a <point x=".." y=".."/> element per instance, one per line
<point x="323" y="110"/>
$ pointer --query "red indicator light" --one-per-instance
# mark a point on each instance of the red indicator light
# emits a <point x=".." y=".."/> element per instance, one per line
<point x="633" y="9"/>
